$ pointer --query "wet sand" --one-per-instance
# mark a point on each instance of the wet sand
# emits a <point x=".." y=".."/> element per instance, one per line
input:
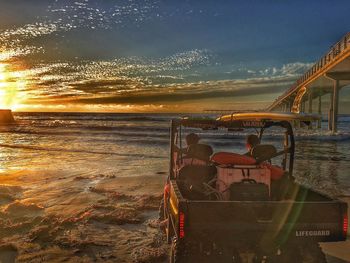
<point x="102" y="218"/>
<point x="46" y="217"/>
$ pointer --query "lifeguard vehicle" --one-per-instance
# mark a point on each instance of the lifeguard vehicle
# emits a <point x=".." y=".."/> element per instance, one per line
<point x="222" y="210"/>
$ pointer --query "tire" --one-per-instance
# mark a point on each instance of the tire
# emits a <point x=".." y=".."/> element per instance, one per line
<point x="161" y="212"/>
<point x="313" y="254"/>
<point x="169" y="231"/>
<point x="175" y="252"/>
<point x="290" y="254"/>
<point x="164" y="216"/>
<point x="304" y="254"/>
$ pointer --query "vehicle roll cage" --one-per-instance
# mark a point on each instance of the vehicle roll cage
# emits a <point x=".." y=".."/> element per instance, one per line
<point x="212" y="124"/>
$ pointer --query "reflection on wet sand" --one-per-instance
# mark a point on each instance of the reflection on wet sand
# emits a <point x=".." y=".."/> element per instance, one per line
<point x="65" y="219"/>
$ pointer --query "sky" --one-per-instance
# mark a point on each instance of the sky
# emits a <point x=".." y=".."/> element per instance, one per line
<point x="160" y="55"/>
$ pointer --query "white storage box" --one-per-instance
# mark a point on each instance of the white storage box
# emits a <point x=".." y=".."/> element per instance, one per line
<point x="226" y="175"/>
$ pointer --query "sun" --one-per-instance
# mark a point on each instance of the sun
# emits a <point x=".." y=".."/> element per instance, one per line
<point x="7" y="97"/>
<point x="10" y="84"/>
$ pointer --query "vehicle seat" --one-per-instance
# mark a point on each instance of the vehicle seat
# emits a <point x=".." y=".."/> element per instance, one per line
<point x="263" y="152"/>
<point x="192" y="180"/>
<point x="197" y="154"/>
<point x="200" y="151"/>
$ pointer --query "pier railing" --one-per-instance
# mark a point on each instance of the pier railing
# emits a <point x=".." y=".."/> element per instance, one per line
<point x="336" y="50"/>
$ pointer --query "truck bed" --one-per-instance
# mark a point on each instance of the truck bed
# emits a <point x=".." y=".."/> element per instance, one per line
<point x="309" y="215"/>
<point x="274" y="219"/>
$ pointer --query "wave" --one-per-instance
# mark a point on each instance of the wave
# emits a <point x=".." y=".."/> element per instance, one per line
<point x="344" y="119"/>
<point x="25" y="125"/>
<point x="275" y="136"/>
<point x="108" y="127"/>
<point x="324" y="138"/>
<point x="103" y="136"/>
<point x="153" y="134"/>
<point x="88" y="118"/>
<point x="95" y="117"/>
<point x="341" y="118"/>
<point x="38" y="148"/>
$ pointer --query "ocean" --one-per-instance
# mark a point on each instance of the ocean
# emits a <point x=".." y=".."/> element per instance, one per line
<point x="87" y="185"/>
<point x="124" y="145"/>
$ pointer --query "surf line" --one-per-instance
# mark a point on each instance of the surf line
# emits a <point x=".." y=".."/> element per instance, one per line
<point x="37" y="148"/>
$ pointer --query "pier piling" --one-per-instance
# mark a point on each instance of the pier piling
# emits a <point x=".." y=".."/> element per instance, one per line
<point x="319" y="110"/>
<point x="335" y="105"/>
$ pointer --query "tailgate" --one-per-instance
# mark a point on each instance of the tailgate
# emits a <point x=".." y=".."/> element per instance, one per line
<point x="278" y="221"/>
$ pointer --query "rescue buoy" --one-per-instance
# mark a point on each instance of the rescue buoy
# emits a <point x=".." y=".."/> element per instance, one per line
<point x="232" y="158"/>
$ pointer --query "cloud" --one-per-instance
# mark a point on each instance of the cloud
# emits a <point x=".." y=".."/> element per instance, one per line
<point x="109" y="91"/>
<point x="192" y="75"/>
<point x="88" y="84"/>
<point x="63" y="16"/>
<point x="105" y="92"/>
<point x="103" y="86"/>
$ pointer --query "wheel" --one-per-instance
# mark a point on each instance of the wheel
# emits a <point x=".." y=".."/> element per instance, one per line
<point x="176" y="255"/>
<point x="313" y="254"/>
<point x="169" y="230"/>
<point x="302" y="253"/>
<point x="164" y="218"/>
<point x="290" y="254"/>
<point x="161" y="211"/>
<point x="262" y="259"/>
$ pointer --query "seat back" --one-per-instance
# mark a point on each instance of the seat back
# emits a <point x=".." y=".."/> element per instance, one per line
<point x="197" y="174"/>
<point x="263" y="152"/>
<point x="200" y="151"/>
<point x="191" y="178"/>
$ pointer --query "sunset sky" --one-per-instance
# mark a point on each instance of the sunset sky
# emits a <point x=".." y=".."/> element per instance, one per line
<point x="160" y="55"/>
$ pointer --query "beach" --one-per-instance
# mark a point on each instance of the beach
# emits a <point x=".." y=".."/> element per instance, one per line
<point x="93" y="87"/>
<point x="66" y="196"/>
<point x="79" y="187"/>
<point x="80" y="219"/>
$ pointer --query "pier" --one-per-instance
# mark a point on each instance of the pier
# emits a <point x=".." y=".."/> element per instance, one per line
<point x="327" y="76"/>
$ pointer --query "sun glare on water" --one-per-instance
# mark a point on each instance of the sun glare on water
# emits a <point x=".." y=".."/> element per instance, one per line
<point x="10" y="85"/>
